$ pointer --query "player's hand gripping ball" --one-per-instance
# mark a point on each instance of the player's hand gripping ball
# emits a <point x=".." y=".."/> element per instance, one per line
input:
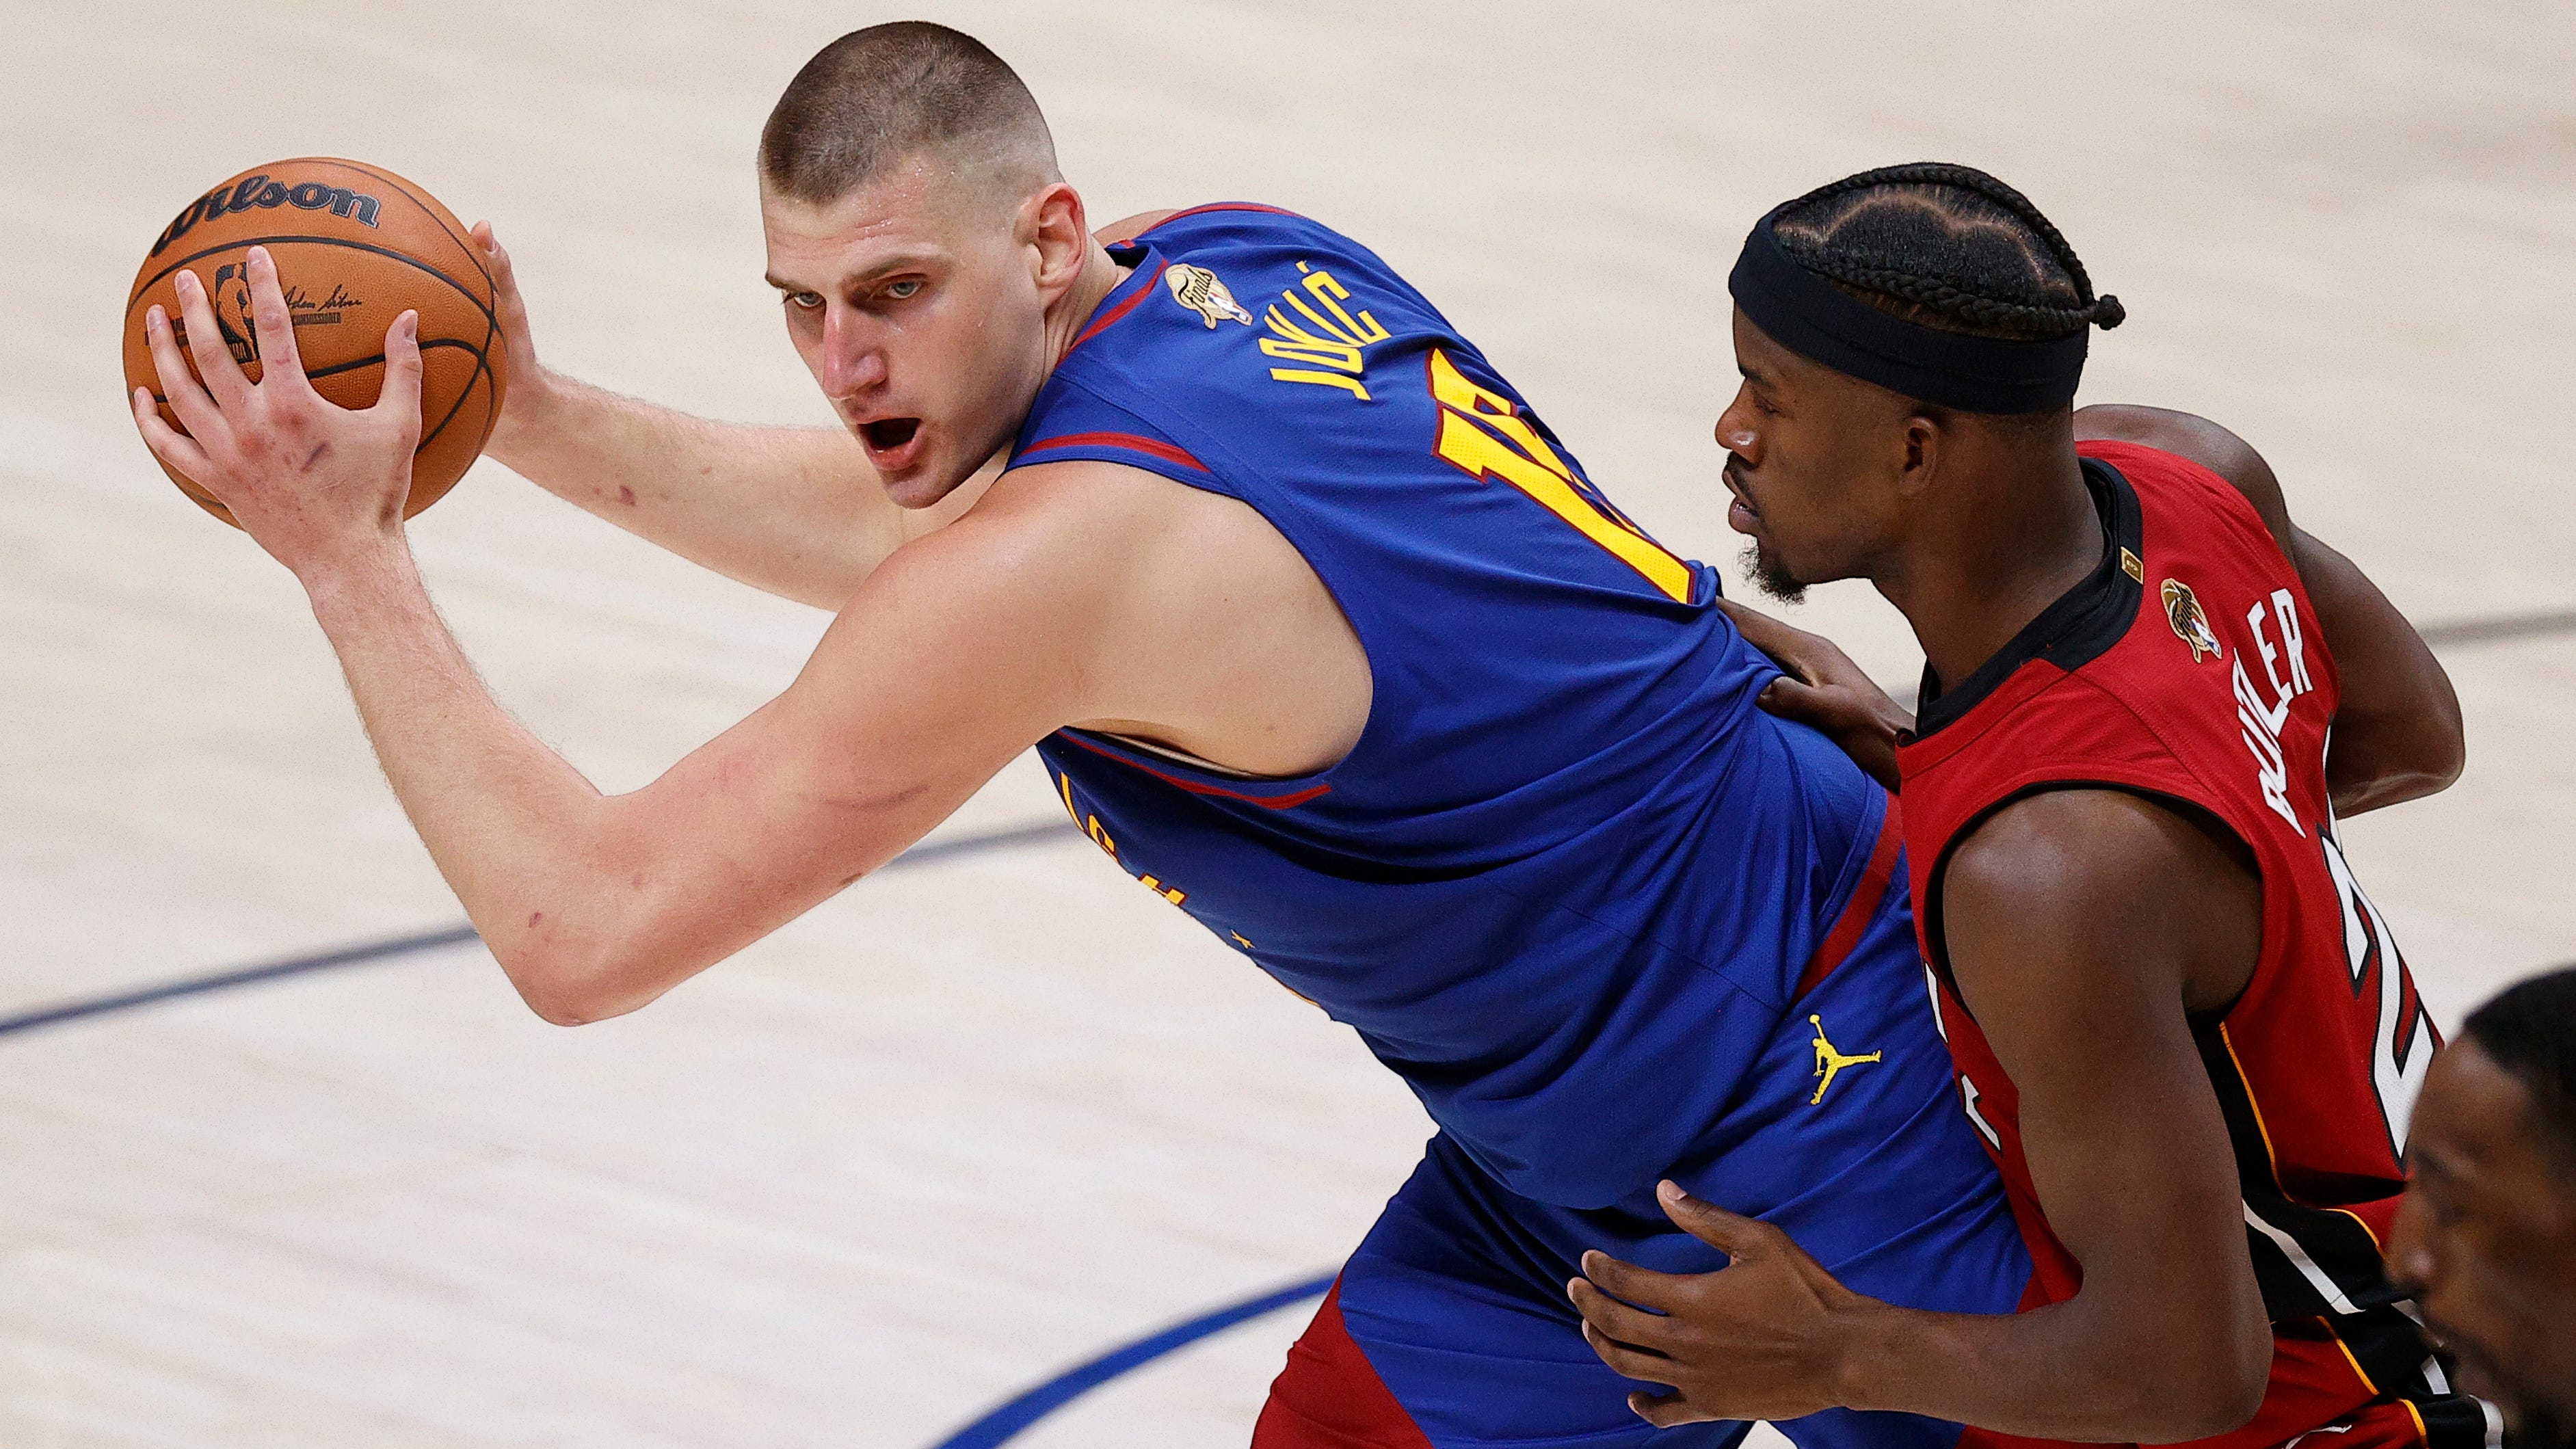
<point x="355" y="247"/>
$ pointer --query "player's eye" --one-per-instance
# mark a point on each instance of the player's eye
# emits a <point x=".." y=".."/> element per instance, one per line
<point x="903" y="288"/>
<point x="805" y="301"/>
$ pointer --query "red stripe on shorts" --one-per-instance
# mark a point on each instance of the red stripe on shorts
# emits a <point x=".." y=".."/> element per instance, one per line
<point x="1330" y="1396"/>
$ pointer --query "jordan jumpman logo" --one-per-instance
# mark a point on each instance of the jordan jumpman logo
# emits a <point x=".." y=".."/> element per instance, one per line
<point x="1829" y="1062"/>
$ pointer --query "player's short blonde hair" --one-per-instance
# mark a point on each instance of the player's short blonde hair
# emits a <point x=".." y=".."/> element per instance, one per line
<point x="877" y="97"/>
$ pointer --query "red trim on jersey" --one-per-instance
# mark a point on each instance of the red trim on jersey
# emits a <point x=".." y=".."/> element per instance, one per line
<point x="1862" y="908"/>
<point x="1133" y="442"/>
<point x="1331" y="1397"/>
<point x="1217" y="206"/>
<point x="1101" y="322"/>
<point x="1275" y="802"/>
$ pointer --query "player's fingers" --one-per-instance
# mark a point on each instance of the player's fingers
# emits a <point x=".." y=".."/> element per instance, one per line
<point x="1793" y="698"/>
<point x="197" y="412"/>
<point x="1625" y="1358"/>
<point x="1733" y="1234"/>
<point x="505" y="289"/>
<point x="279" y="363"/>
<point x="166" y="442"/>
<point x="215" y="366"/>
<point x="1617" y="1319"/>
<point x="1664" y="1411"/>
<point x="400" y="396"/>
<point x="1630" y="1283"/>
<point x="1761" y="630"/>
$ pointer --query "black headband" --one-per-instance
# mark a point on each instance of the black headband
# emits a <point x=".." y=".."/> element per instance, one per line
<point x="1821" y="322"/>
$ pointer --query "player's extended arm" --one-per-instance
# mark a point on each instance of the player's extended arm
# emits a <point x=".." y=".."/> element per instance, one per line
<point x="2397" y="733"/>
<point x="952" y="658"/>
<point x="796" y="512"/>
<point x="2077" y="923"/>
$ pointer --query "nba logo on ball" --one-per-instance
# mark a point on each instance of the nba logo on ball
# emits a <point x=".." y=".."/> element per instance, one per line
<point x="345" y="236"/>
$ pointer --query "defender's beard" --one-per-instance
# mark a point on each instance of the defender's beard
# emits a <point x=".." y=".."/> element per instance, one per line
<point x="1772" y="577"/>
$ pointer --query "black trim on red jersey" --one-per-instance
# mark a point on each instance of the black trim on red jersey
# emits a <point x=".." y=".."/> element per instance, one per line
<point x="2335" y="1244"/>
<point x="2077" y="629"/>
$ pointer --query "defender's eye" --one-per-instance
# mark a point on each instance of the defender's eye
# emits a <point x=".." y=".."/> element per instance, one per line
<point x="907" y="287"/>
<point x="805" y="301"/>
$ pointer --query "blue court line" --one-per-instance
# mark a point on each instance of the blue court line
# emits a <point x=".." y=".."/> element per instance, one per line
<point x="432" y="940"/>
<point x="1005" y="1423"/>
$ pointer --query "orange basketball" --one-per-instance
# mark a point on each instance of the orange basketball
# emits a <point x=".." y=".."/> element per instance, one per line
<point x="356" y="246"/>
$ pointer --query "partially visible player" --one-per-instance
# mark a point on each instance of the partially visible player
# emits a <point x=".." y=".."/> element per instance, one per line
<point x="1324" y="637"/>
<point x="2486" y="1236"/>
<point x="2182" y="1029"/>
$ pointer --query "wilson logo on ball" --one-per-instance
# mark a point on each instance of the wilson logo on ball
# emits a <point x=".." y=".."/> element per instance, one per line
<point x="259" y="191"/>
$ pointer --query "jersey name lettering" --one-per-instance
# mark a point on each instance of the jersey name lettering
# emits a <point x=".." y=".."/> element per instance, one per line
<point x="1334" y="342"/>
<point x="2259" y="720"/>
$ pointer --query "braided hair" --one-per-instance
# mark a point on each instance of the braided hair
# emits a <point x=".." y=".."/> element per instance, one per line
<point x="1947" y="247"/>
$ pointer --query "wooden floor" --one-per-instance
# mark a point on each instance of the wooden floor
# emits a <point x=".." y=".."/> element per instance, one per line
<point x="980" y="1119"/>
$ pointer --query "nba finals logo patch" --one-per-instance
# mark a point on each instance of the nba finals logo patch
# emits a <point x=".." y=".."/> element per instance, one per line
<point x="1198" y="289"/>
<point x="2182" y="610"/>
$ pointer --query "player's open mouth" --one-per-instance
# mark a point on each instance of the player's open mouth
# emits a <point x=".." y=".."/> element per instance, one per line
<point x="1741" y="515"/>
<point x="891" y="442"/>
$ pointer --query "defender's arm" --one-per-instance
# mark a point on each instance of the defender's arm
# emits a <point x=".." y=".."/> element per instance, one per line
<point x="2079" y="922"/>
<point x="2397" y="734"/>
<point x="2082" y="926"/>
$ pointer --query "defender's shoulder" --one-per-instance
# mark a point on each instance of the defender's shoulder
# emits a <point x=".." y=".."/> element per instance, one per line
<point x="2194" y="439"/>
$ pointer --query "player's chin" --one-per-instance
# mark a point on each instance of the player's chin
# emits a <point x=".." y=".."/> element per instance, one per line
<point x="1771" y="574"/>
<point x="924" y="482"/>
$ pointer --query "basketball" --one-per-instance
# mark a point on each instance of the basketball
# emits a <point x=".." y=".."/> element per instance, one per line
<point x="355" y="246"/>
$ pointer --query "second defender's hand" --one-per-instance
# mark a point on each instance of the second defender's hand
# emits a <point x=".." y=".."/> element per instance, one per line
<point x="1824" y="688"/>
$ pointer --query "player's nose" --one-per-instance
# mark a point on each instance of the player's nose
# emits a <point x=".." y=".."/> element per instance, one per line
<point x="1736" y="433"/>
<point x="853" y="362"/>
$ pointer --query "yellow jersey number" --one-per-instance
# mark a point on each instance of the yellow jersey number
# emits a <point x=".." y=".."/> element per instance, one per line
<point x="1483" y="435"/>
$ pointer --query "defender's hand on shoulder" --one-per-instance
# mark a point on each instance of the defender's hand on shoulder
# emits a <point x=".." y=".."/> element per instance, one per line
<point x="1824" y="688"/>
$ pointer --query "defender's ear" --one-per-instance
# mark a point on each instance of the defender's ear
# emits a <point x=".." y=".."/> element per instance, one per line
<point x="1923" y="439"/>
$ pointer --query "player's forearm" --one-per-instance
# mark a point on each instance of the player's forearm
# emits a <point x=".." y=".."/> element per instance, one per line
<point x="792" y="511"/>
<point x="2397" y="732"/>
<point x="2067" y="1371"/>
<point x="519" y="834"/>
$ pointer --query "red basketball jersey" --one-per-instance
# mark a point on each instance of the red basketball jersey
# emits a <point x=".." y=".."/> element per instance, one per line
<point x="2189" y="667"/>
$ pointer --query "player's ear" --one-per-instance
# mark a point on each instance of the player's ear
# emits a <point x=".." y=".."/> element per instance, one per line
<point x="1054" y="221"/>
<point x="1919" y="456"/>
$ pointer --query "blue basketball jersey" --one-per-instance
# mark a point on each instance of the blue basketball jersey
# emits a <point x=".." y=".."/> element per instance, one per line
<point x="1571" y="882"/>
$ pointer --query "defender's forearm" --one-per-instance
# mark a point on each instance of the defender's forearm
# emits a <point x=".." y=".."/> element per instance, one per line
<point x="2052" y="1373"/>
<point x="795" y="512"/>
<point x="514" y="828"/>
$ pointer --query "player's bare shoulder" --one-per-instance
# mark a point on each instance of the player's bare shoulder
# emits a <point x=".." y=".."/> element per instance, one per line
<point x="1196" y="622"/>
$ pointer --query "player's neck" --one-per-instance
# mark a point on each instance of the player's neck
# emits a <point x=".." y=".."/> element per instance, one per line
<point x="1986" y="559"/>
<point x="1072" y="312"/>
